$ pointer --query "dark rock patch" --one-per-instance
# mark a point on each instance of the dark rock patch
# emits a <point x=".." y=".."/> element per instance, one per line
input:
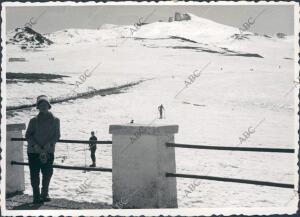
<point x="14" y="77"/>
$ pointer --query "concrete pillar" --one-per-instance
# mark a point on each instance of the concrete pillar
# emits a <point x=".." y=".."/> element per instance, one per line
<point x="140" y="160"/>
<point x="15" y="181"/>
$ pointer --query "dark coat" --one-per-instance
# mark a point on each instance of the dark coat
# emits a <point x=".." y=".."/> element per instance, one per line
<point x="43" y="131"/>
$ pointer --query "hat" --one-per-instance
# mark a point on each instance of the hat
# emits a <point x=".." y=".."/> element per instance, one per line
<point x="42" y="98"/>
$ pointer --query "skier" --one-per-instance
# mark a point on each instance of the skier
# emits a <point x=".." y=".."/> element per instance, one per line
<point x="93" y="148"/>
<point x="160" y="109"/>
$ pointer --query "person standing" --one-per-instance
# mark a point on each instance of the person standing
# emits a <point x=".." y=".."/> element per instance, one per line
<point x="161" y="109"/>
<point x="93" y="147"/>
<point x="42" y="134"/>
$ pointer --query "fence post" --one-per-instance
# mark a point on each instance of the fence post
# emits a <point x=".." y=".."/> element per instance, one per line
<point x="140" y="160"/>
<point x="15" y="181"/>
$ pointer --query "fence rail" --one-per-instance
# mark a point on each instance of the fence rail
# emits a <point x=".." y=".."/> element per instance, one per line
<point x="213" y="178"/>
<point x="70" y="141"/>
<point x="230" y="148"/>
<point x="243" y="181"/>
<point x="69" y="167"/>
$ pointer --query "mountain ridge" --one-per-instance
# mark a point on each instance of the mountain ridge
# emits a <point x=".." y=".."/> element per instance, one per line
<point x="196" y="29"/>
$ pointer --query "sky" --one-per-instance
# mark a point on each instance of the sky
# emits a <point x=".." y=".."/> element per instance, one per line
<point x="47" y="19"/>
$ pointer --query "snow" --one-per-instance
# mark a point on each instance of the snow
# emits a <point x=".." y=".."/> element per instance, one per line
<point x="235" y="92"/>
<point x="198" y="29"/>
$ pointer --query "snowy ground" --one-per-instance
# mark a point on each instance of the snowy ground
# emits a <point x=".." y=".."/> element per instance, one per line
<point x="232" y="94"/>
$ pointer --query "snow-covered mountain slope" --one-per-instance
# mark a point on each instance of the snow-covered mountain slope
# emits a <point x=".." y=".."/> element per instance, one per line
<point x="210" y="36"/>
<point x="106" y="33"/>
<point x="71" y="36"/>
<point x="197" y="29"/>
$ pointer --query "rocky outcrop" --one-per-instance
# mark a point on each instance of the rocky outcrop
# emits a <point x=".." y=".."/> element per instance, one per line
<point x="185" y="17"/>
<point x="28" y="38"/>
<point x="280" y="35"/>
<point x="179" y="17"/>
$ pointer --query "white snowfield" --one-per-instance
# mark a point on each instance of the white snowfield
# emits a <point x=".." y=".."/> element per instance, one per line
<point x="234" y="92"/>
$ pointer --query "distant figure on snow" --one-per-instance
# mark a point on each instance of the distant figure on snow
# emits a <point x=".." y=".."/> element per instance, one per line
<point x="160" y="110"/>
<point x="132" y="121"/>
<point x="93" y="147"/>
